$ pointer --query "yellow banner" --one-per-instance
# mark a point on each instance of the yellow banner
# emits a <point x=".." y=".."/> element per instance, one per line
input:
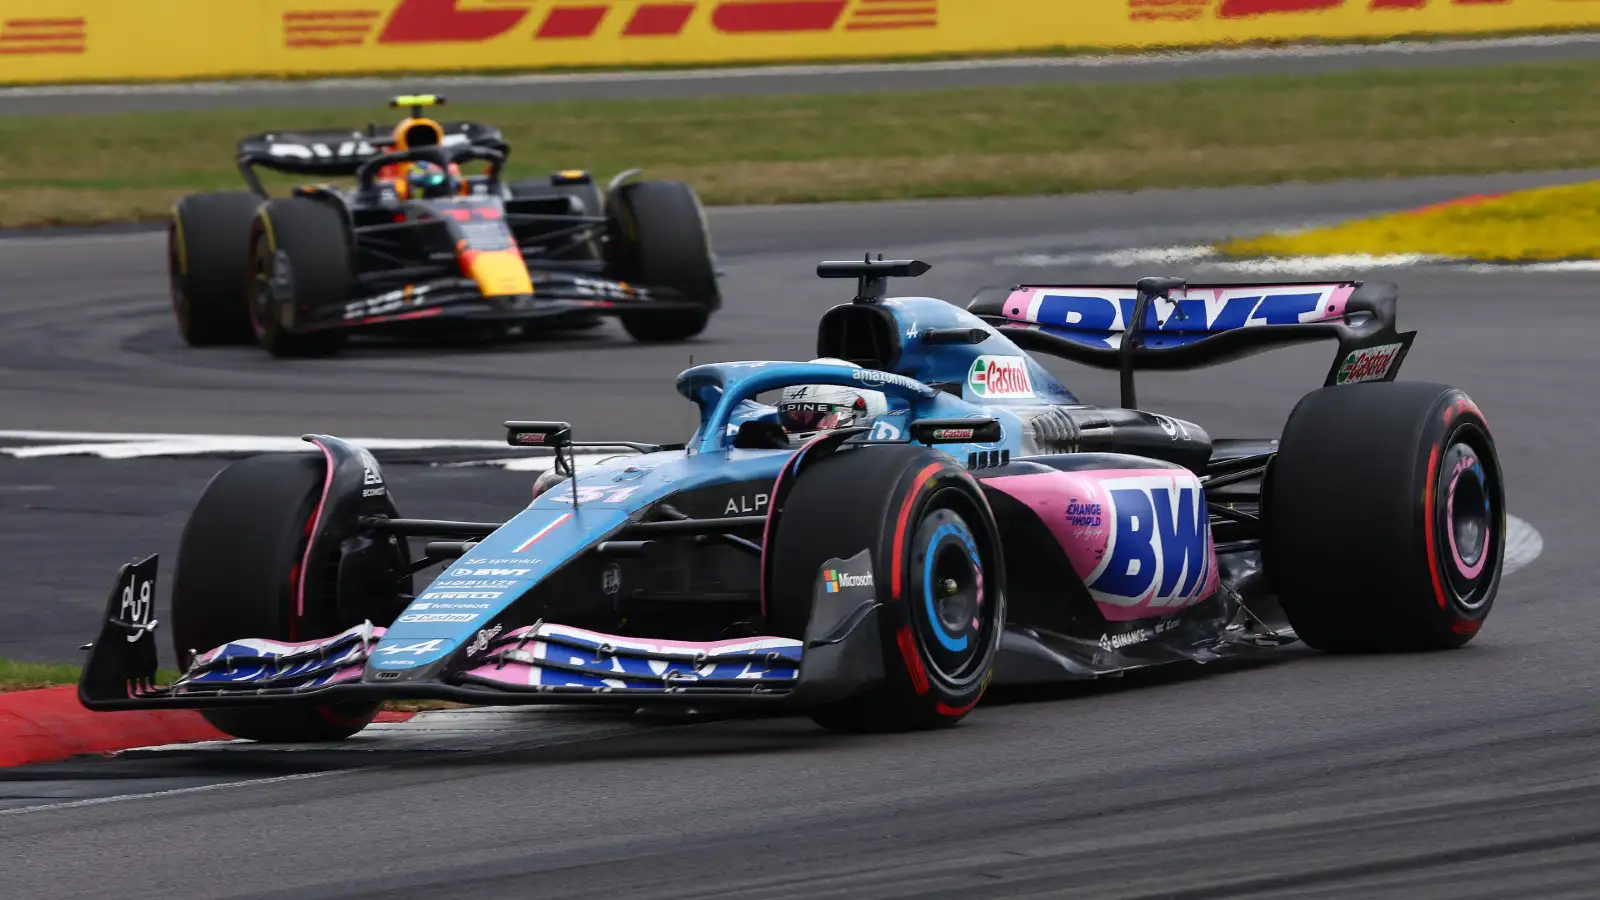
<point x="57" y="41"/>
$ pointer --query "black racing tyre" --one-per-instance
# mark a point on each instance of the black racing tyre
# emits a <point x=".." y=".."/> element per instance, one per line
<point x="937" y="569"/>
<point x="659" y="238"/>
<point x="1385" y="518"/>
<point x="300" y="260"/>
<point x="208" y="267"/>
<point x="590" y="203"/>
<point x="238" y="565"/>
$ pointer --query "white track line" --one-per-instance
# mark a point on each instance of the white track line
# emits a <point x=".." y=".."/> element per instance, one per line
<point x="1176" y="58"/>
<point x="1307" y="265"/>
<point x="98" y="801"/>
<point x="1524" y="543"/>
<point x="141" y="446"/>
<point x="511" y="723"/>
<point x="1204" y="258"/>
<point x="137" y="445"/>
<point x="1571" y="265"/>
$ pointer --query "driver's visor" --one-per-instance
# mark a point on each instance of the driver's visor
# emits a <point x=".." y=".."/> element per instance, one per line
<point x="803" y="417"/>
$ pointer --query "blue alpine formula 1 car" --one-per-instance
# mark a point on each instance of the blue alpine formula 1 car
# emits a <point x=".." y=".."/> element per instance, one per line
<point x="922" y="513"/>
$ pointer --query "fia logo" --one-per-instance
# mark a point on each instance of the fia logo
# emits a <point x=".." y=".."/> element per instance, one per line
<point x="611" y="579"/>
<point x="1158" y="553"/>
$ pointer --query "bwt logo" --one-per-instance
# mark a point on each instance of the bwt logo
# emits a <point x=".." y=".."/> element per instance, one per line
<point x="476" y="21"/>
<point x="1099" y="313"/>
<point x="1157" y="551"/>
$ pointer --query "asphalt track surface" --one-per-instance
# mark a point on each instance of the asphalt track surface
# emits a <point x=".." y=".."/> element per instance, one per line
<point x="807" y="79"/>
<point x="1469" y="774"/>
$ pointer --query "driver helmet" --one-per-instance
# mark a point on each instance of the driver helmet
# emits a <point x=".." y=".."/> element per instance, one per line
<point x="426" y="179"/>
<point x="808" y="408"/>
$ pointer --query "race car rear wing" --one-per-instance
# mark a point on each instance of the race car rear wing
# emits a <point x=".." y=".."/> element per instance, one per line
<point x="340" y="153"/>
<point x="1176" y="326"/>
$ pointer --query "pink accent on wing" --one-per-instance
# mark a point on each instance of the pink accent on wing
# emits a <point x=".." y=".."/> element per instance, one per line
<point x="1472" y="571"/>
<point x="1335" y="306"/>
<point x="284" y="648"/>
<point x="518" y="674"/>
<point x="750" y="644"/>
<point x="1086" y="535"/>
<point x="316" y="521"/>
<point x="541" y="533"/>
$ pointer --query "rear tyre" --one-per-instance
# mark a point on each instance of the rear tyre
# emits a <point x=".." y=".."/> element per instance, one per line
<point x="237" y="577"/>
<point x="936" y="567"/>
<point x="208" y="267"/>
<point x="300" y="263"/>
<point x="1385" y="518"/>
<point x="658" y="238"/>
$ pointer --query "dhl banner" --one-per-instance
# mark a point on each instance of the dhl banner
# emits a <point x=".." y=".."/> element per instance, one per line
<point x="56" y="41"/>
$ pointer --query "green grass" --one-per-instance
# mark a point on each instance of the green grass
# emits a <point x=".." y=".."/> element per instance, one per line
<point x="1051" y="139"/>
<point x="21" y="676"/>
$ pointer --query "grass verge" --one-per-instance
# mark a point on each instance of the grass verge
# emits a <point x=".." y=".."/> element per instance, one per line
<point x="21" y="676"/>
<point x="1543" y="224"/>
<point x="1031" y="140"/>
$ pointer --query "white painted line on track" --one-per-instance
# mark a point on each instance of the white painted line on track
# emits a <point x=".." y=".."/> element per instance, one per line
<point x="1174" y="58"/>
<point x="1571" y="265"/>
<point x="1524" y="543"/>
<point x="1307" y="265"/>
<point x="99" y="801"/>
<point x="143" y="446"/>
<point x="1137" y="256"/>
<point x="1203" y="258"/>
<point x="472" y="732"/>
<point x="66" y="443"/>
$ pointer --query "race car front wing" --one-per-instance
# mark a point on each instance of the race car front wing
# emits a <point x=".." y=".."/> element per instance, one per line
<point x="540" y="663"/>
<point x="555" y="293"/>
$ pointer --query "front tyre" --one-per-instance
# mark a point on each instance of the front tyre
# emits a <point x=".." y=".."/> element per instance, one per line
<point x="936" y="567"/>
<point x="658" y="238"/>
<point x="300" y="264"/>
<point x="1385" y="518"/>
<point x="238" y="576"/>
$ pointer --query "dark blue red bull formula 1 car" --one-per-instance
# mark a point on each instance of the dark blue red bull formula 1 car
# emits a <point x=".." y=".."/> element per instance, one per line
<point x="982" y="526"/>
<point x="417" y="246"/>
